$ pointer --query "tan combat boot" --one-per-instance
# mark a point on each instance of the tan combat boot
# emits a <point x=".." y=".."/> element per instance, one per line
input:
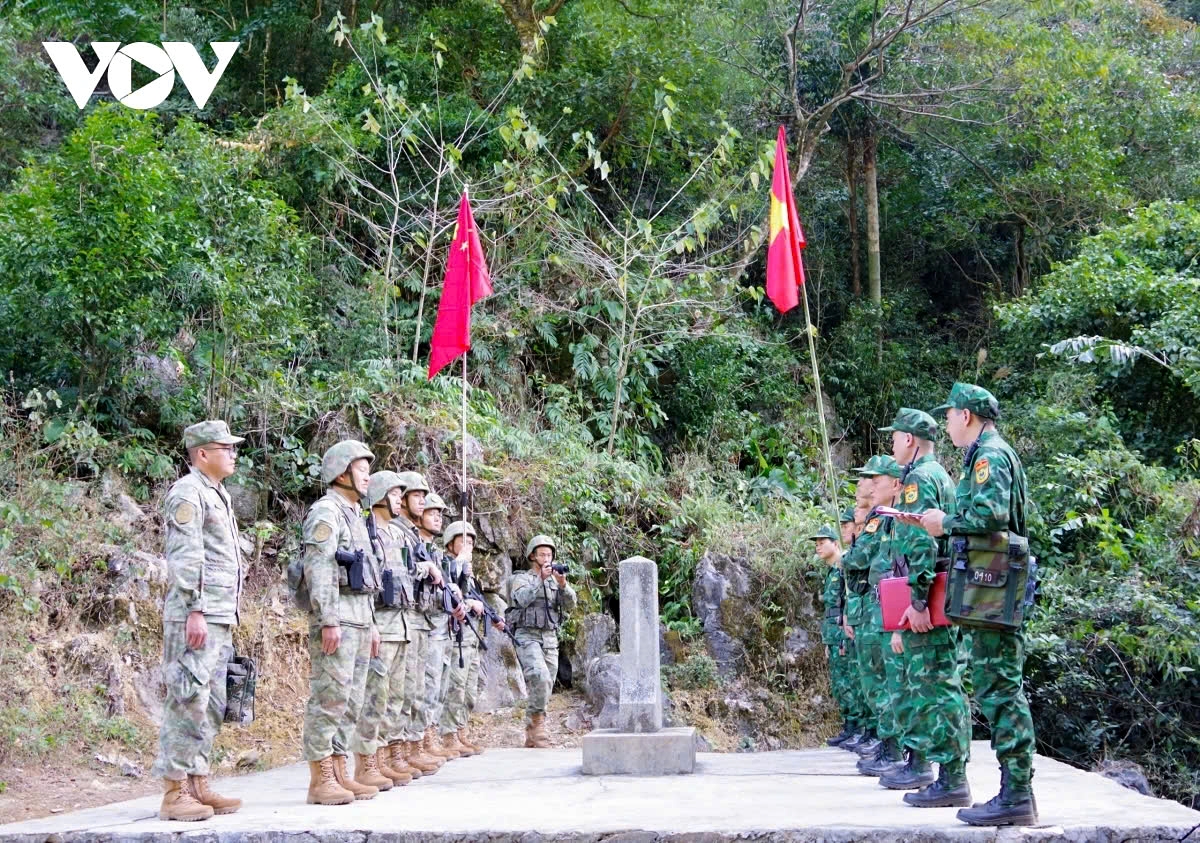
<point x="179" y="803"/>
<point x="430" y="746"/>
<point x="427" y="764"/>
<point x="219" y="804"/>
<point x="451" y="741"/>
<point x="323" y="787"/>
<point x="360" y="790"/>
<point x="383" y="763"/>
<point x="366" y="772"/>
<point x="464" y="738"/>
<point x="447" y="744"/>
<point x="398" y="760"/>
<point x="540" y="739"/>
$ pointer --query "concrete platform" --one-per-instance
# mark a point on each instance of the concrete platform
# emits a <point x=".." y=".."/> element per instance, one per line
<point x="529" y="796"/>
<point x="667" y="752"/>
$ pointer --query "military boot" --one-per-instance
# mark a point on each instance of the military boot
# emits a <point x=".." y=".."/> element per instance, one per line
<point x="851" y="743"/>
<point x="846" y="733"/>
<point x="383" y="763"/>
<point x="179" y="803"/>
<point x="323" y="787"/>
<point x="949" y="791"/>
<point x="398" y="760"/>
<point x="427" y="764"/>
<point x="430" y="745"/>
<point x="535" y="732"/>
<point x="360" y="790"/>
<point x="888" y="758"/>
<point x="447" y="743"/>
<point x="220" y="804"/>
<point x="1011" y="806"/>
<point x="868" y="746"/>
<point x="366" y="772"/>
<point x="464" y="738"/>
<point x="917" y="773"/>
<point x="450" y="740"/>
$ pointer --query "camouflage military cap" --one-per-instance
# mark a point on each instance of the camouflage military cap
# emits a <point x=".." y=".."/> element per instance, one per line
<point x="968" y="396"/>
<point x="455" y="530"/>
<point x="206" y="432"/>
<point x="433" y="501"/>
<point x="847" y="516"/>
<point x="825" y="532"/>
<point x="917" y="422"/>
<point x="380" y="484"/>
<point x="881" y="464"/>
<point x="337" y="459"/>
<point x="540" y="541"/>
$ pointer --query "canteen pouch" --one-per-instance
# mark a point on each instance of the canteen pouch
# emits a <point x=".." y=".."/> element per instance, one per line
<point x="240" y="678"/>
<point x="989" y="577"/>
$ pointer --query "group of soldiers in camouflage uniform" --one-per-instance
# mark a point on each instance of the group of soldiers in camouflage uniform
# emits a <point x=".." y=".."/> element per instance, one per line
<point x="903" y="694"/>
<point x="397" y="621"/>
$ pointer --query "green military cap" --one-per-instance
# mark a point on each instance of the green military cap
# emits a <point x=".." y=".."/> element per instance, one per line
<point x="826" y="532"/>
<point x="917" y="422"/>
<point x="968" y="396"/>
<point x="205" y="432"/>
<point x="881" y="464"/>
<point x="847" y="516"/>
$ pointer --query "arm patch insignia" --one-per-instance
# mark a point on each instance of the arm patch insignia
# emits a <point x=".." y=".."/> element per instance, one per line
<point x="184" y="513"/>
<point x="322" y="532"/>
<point x="910" y="493"/>
<point x="982" y="470"/>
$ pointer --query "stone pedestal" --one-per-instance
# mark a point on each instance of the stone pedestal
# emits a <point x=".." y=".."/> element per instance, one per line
<point x="639" y="745"/>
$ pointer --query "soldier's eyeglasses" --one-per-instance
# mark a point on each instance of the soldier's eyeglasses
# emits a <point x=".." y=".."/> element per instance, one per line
<point x="232" y="449"/>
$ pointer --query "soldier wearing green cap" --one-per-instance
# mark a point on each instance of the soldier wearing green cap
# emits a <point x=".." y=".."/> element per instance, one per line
<point x="341" y="574"/>
<point x="204" y="587"/>
<point x="538" y="601"/>
<point x="841" y="674"/>
<point x="933" y="715"/>
<point x="864" y="566"/>
<point x="991" y="500"/>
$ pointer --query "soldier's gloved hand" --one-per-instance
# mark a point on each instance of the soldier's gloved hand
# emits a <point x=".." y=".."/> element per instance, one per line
<point x="196" y="630"/>
<point x="331" y="636"/>
<point x="916" y="621"/>
<point x="375" y="639"/>
<point x="897" y="643"/>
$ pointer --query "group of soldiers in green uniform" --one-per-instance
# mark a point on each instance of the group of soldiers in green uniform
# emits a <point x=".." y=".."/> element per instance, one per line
<point x="902" y="694"/>
<point x="397" y="623"/>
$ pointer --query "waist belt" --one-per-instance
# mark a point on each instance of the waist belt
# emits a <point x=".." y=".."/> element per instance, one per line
<point x="833" y="613"/>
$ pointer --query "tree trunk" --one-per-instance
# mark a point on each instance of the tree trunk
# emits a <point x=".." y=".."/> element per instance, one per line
<point x="874" y="281"/>
<point x="852" y="214"/>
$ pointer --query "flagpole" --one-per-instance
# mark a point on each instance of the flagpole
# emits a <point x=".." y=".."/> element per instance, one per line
<point x="465" y="496"/>
<point x="812" y="350"/>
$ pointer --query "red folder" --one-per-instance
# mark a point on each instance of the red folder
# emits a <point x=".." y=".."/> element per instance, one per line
<point x="895" y="597"/>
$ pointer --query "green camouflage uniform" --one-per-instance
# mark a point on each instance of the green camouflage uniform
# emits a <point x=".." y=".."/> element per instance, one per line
<point x="843" y="676"/>
<point x="935" y="717"/>
<point x="855" y="566"/>
<point x="204" y="564"/>
<point x="991" y="497"/>
<point x="380" y="723"/>
<point x="339" y="681"/>
<point x="882" y="666"/>
<point x="536" y="608"/>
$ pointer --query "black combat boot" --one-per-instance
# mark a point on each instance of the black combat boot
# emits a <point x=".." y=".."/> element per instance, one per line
<point x="949" y="791"/>
<point x="868" y="746"/>
<point x="887" y="758"/>
<point x="842" y="736"/>
<point x="1011" y="806"/>
<point x="918" y="772"/>
<point x="854" y="740"/>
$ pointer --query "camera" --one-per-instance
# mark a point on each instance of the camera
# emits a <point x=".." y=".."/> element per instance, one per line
<point x="560" y="568"/>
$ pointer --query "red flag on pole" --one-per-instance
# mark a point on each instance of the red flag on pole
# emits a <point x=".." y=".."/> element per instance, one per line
<point x="467" y="281"/>
<point x="785" y="269"/>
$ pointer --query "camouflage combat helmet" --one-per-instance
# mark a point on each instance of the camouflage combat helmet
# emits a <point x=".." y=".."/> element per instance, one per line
<point x="337" y="459"/>
<point x="381" y="483"/>
<point x="413" y="481"/>
<point x="540" y="541"/>
<point x="455" y="530"/>
<point x="433" y="501"/>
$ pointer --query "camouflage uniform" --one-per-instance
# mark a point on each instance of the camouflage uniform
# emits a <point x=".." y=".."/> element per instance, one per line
<point x="442" y="645"/>
<point x="536" y="608"/>
<point x="204" y="563"/>
<point x="463" y="682"/>
<point x="410" y="721"/>
<point x="855" y="566"/>
<point x="339" y="681"/>
<point x="991" y="497"/>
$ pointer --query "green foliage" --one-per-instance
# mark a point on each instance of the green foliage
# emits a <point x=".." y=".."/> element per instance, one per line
<point x="696" y="672"/>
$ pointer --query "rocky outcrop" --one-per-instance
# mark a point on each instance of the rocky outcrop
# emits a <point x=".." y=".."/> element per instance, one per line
<point x="595" y="635"/>
<point x="720" y="599"/>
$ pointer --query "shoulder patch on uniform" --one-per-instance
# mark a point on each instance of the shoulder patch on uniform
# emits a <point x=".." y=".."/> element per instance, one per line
<point x="184" y="513"/>
<point x="322" y="532"/>
<point x="910" y="493"/>
<point x="982" y="470"/>
<point x="872" y="525"/>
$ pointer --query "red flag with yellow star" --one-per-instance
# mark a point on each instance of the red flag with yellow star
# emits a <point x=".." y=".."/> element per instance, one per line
<point x="785" y="269"/>
<point x="467" y="281"/>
